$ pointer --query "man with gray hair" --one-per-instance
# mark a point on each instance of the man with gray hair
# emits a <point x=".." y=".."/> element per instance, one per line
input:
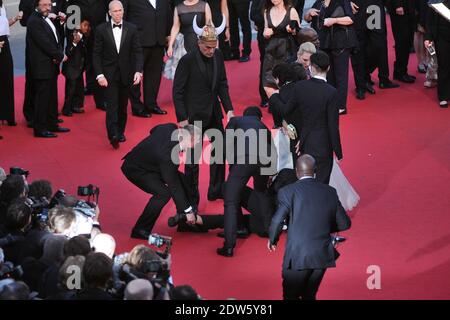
<point x="304" y="56"/>
<point x="139" y="289"/>
<point x="152" y="166"/>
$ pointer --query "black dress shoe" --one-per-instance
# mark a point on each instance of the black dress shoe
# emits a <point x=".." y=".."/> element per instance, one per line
<point x="241" y="234"/>
<point x="30" y="124"/>
<point x="60" y="121"/>
<point x="59" y="129"/>
<point x="360" y="95"/>
<point x="224" y="251"/>
<point x="115" y="142"/>
<point x="406" y="78"/>
<point x="388" y="85"/>
<point x="158" y="110"/>
<point x="67" y="113"/>
<point x="45" y="134"/>
<point x="140" y="234"/>
<point x="88" y="92"/>
<point x="12" y="123"/>
<point x="142" y="114"/>
<point x="244" y="59"/>
<point x="264" y="104"/>
<point x="342" y="112"/>
<point x="78" y="110"/>
<point x="369" y="88"/>
<point x="101" y="106"/>
<point x="122" y="138"/>
<point x="232" y="57"/>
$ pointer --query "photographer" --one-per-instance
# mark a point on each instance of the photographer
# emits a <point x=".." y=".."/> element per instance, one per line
<point x="144" y="263"/>
<point x="97" y="273"/>
<point x="12" y="233"/>
<point x="13" y="187"/>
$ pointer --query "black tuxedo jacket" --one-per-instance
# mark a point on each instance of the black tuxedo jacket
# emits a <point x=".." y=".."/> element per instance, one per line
<point x="153" y="24"/>
<point x="313" y="102"/>
<point x="314" y="212"/>
<point x="154" y="154"/>
<point x="43" y="51"/>
<point x="251" y="148"/>
<point x="109" y="62"/>
<point x="76" y="63"/>
<point x="194" y="97"/>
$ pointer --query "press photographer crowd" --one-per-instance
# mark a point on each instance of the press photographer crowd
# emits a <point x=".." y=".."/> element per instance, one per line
<point x="52" y="247"/>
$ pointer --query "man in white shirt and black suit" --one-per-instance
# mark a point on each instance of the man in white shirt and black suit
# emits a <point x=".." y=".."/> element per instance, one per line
<point x="45" y="53"/>
<point x="118" y="65"/>
<point x="314" y="212"/>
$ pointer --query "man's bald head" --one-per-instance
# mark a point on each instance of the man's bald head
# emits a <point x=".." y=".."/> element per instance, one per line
<point x="104" y="243"/>
<point x="305" y="166"/>
<point x="308" y="35"/>
<point x="139" y="289"/>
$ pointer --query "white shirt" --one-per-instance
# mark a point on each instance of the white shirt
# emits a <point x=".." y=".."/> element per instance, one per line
<point x="117" y="32"/>
<point x="50" y="23"/>
<point x="153" y="3"/>
<point x="4" y="23"/>
<point x="306" y="177"/>
<point x="320" y="78"/>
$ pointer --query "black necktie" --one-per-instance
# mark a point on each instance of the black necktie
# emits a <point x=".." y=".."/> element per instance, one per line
<point x="117" y="25"/>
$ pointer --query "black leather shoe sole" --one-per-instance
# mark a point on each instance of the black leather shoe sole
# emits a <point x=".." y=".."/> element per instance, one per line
<point x="389" y="85"/>
<point x="225" y="252"/>
<point x="142" y="115"/>
<point x="59" y="129"/>
<point x="158" y="111"/>
<point x="45" y="134"/>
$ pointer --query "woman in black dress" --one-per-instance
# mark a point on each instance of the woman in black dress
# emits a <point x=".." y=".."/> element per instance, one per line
<point x="6" y="68"/>
<point x="333" y="19"/>
<point x="280" y="45"/>
<point x="183" y="16"/>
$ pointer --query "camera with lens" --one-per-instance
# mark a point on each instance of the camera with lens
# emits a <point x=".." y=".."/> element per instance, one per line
<point x="8" y="270"/>
<point x="88" y="191"/>
<point x="39" y="210"/>
<point x="19" y="171"/>
<point x="159" y="241"/>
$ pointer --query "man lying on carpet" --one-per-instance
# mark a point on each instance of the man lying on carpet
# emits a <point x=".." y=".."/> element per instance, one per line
<point x="261" y="205"/>
<point x="151" y="168"/>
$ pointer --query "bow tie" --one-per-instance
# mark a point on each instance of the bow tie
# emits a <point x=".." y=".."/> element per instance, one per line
<point x="117" y="25"/>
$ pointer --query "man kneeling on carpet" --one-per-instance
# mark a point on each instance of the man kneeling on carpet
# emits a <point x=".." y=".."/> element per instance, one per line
<point x="153" y="167"/>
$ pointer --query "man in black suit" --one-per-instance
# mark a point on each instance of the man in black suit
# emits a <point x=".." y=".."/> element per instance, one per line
<point x="153" y="19"/>
<point x="314" y="212"/>
<point x="317" y="117"/>
<point x="200" y="80"/>
<point x="239" y="14"/>
<point x="402" y="13"/>
<point x="372" y="52"/>
<point x="45" y="53"/>
<point x="251" y="154"/>
<point x="153" y="167"/>
<point x="118" y="65"/>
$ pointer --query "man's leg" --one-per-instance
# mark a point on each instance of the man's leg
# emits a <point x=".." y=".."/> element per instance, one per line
<point x="137" y="107"/>
<point x="243" y="14"/>
<point x="150" y="183"/>
<point x="235" y="40"/>
<point x="152" y="76"/>
<point x="41" y="98"/>
<point x="313" y="283"/>
<point x="69" y="96"/>
<point x="295" y="283"/>
<point x="262" y="51"/>
<point x="122" y="111"/>
<point x="52" y="115"/>
<point x="358" y="59"/>
<point x="324" y="165"/>
<point x="111" y="94"/>
<point x="217" y="170"/>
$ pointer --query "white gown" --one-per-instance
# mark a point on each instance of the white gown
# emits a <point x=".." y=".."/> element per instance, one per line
<point x="347" y="195"/>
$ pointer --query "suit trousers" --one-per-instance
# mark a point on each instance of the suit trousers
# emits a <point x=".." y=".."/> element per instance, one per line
<point x="91" y="78"/>
<point x="116" y="97"/>
<point x="74" y="95"/>
<point x="28" y="102"/>
<point x="358" y="59"/>
<point x="153" y="66"/>
<point x="239" y="12"/>
<point x="216" y="170"/>
<point x="235" y="186"/>
<point x="377" y="55"/>
<point x="301" y="284"/>
<point x="403" y="28"/>
<point x="324" y="165"/>
<point x="338" y="74"/>
<point x="46" y="104"/>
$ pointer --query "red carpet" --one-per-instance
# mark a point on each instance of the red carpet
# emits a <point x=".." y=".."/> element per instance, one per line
<point x="396" y="154"/>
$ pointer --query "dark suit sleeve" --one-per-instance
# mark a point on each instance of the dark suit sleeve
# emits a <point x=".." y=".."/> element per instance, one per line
<point x="343" y="221"/>
<point x="333" y="126"/>
<point x="224" y="93"/>
<point x="284" y="208"/>
<point x="42" y="40"/>
<point x="256" y="14"/>
<point x="170" y="176"/>
<point x="180" y="82"/>
<point x="97" y="52"/>
<point x="70" y="48"/>
<point x="284" y="109"/>
<point x="137" y="52"/>
<point x="27" y="7"/>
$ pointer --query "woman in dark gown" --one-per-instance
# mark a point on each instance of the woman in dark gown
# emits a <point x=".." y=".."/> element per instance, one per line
<point x="333" y="19"/>
<point x="184" y="14"/>
<point x="6" y="68"/>
<point x="280" y="46"/>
